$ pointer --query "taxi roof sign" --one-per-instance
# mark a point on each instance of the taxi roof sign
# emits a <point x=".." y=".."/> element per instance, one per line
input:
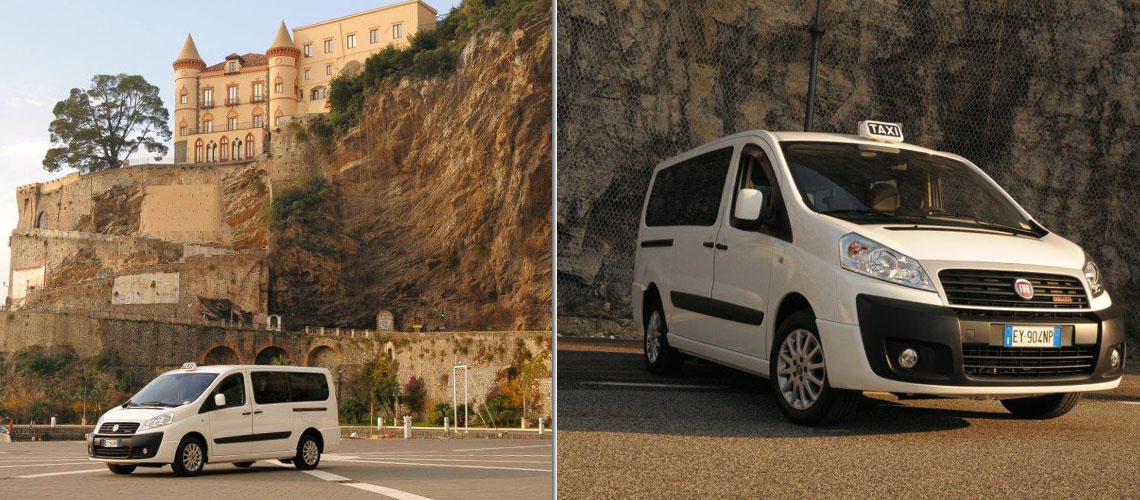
<point x="189" y="366"/>
<point x="881" y="131"/>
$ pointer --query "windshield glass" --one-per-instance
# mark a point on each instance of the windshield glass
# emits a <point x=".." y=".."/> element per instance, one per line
<point x="174" y="389"/>
<point x="881" y="184"/>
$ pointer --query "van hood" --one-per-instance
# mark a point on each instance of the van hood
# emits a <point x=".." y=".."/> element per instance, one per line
<point x="948" y="244"/>
<point x="119" y="414"/>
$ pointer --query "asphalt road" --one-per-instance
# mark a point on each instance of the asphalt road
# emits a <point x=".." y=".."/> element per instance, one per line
<point x="716" y="433"/>
<point x="414" y="469"/>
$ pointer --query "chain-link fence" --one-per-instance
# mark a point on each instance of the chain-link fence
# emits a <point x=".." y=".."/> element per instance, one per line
<point x="1044" y="96"/>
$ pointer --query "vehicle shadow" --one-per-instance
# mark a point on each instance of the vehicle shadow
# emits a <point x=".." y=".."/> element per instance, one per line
<point x="611" y="391"/>
<point x="223" y="469"/>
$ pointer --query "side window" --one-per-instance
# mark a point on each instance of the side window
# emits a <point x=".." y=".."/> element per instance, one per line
<point x="270" y="387"/>
<point x="233" y="387"/>
<point x="689" y="193"/>
<point x="308" y="386"/>
<point x="756" y="172"/>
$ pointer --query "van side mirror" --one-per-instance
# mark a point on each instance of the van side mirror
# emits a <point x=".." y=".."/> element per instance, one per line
<point x="749" y="205"/>
<point x="219" y="400"/>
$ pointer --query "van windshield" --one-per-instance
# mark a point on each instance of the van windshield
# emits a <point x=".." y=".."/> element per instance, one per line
<point x="173" y="389"/>
<point x="882" y="185"/>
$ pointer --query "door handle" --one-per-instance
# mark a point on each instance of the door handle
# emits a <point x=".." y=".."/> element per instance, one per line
<point x="707" y="244"/>
<point x="257" y="412"/>
<point x="244" y="413"/>
<point x="721" y="246"/>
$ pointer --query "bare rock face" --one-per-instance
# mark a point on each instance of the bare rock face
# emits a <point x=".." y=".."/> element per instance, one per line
<point x="1041" y="95"/>
<point x="444" y="190"/>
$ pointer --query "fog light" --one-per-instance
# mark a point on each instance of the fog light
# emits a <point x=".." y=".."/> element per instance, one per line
<point x="908" y="358"/>
<point x="146" y="451"/>
<point x="1114" y="358"/>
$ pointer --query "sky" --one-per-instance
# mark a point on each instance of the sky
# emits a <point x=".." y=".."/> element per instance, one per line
<point x="52" y="46"/>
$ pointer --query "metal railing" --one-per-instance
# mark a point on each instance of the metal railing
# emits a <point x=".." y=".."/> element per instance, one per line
<point x="232" y="101"/>
<point x="238" y="126"/>
<point x="206" y="103"/>
<point x="257" y="98"/>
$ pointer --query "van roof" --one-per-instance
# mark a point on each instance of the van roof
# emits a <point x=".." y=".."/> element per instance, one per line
<point x="228" y="368"/>
<point x="793" y="136"/>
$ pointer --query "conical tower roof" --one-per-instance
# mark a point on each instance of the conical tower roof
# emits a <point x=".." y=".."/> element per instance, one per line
<point x="282" y="39"/>
<point x="189" y="51"/>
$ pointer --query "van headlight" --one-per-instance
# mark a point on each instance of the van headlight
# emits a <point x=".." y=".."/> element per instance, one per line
<point x="867" y="257"/>
<point x="157" y="421"/>
<point x="1092" y="275"/>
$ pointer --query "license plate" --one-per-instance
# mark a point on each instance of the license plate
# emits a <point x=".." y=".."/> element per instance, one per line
<point x="1031" y="336"/>
<point x="112" y="443"/>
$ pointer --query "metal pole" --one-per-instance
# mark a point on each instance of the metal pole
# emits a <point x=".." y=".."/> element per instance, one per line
<point x="454" y="403"/>
<point x="817" y="32"/>
<point x="466" y="399"/>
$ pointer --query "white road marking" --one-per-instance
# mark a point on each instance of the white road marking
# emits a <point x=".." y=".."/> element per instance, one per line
<point x="87" y="471"/>
<point x="1129" y="402"/>
<point x="434" y="455"/>
<point x="508" y="447"/>
<point x="10" y="460"/>
<point x="460" y="466"/>
<point x="437" y="459"/>
<point x="654" y="384"/>
<point x="45" y="465"/>
<point x="374" y="488"/>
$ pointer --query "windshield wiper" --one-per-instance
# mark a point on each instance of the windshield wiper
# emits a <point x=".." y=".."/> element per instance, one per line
<point x="982" y="223"/>
<point x="857" y="212"/>
<point x="152" y="403"/>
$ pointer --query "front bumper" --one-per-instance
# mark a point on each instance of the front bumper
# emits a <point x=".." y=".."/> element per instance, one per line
<point x="133" y="448"/>
<point x="961" y="353"/>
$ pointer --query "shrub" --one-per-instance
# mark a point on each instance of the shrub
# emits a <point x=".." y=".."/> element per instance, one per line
<point x="414" y="396"/>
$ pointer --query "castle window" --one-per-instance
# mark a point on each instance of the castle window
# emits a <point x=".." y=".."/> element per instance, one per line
<point x="308" y="50"/>
<point x="236" y="149"/>
<point x="40" y="220"/>
<point x="208" y="126"/>
<point x="182" y="130"/>
<point x="278" y="87"/>
<point x="328" y="46"/>
<point x="257" y="121"/>
<point x="231" y="123"/>
<point x="198" y="151"/>
<point x="320" y="92"/>
<point x="351" y="41"/>
<point x="207" y="98"/>
<point x="373" y="35"/>
<point x="183" y="99"/>
<point x="258" y="92"/>
<point x="225" y="149"/>
<point x="232" y="67"/>
<point x="328" y="69"/>
<point x="308" y="72"/>
<point x="231" y="95"/>
<point x="249" y="145"/>
<point x="397" y="31"/>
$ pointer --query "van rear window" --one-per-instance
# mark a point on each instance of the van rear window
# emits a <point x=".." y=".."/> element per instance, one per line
<point x="689" y="193"/>
<point x="308" y="386"/>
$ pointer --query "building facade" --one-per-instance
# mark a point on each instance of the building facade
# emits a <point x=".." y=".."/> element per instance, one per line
<point x="225" y="112"/>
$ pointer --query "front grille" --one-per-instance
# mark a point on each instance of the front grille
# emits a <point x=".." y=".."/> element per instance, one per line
<point x="125" y="428"/>
<point x="967" y="287"/>
<point x="987" y="361"/>
<point x="1013" y="314"/>
<point x="120" y="452"/>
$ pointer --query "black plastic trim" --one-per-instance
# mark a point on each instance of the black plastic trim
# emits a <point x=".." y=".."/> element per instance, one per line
<point x="264" y="436"/>
<point x="657" y="243"/>
<point x="134" y="446"/>
<point x="311" y="409"/>
<point x="717" y="308"/>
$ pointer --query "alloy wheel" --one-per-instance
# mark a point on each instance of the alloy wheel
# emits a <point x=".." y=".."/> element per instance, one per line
<point x="653" y="337"/>
<point x="800" y="369"/>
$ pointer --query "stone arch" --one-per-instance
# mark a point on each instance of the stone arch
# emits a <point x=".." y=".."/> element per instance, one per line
<point x="221" y="354"/>
<point x="323" y="356"/>
<point x="268" y="355"/>
<point x="389" y="351"/>
<point x="41" y="220"/>
<point x="232" y="114"/>
<point x="273" y="322"/>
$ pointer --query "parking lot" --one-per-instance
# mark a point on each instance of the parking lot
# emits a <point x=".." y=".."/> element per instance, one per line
<point x="713" y="432"/>
<point x="402" y="469"/>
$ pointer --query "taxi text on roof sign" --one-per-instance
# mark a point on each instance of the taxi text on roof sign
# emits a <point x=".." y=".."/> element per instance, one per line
<point x="881" y="131"/>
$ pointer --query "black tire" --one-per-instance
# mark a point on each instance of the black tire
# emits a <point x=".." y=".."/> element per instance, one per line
<point x="664" y="360"/>
<point x="121" y="469"/>
<point x="244" y="465"/>
<point x="190" y="458"/>
<point x="306" y="459"/>
<point x="286" y="460"/>
<point x="1042" y="407"/>
<point x="830" y="405"/>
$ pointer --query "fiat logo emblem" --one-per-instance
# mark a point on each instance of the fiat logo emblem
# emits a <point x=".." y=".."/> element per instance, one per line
<point x="1023" y="288"/>
<point x="115" y="428"/>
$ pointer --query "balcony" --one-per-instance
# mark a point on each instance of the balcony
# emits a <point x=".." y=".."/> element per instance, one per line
<point x="232" y="101"/>
<point x="257" y="98"/>
<point x="206" y="104"/>
<point x="238" y="126"/>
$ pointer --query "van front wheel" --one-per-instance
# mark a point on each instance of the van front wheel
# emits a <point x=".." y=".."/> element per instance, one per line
<point x="797" y="372"/>
<point x="1042" y="407"/>
<point x="660" y="358"/>
<point x="190" y="457"/>
<point x="308" y="453"/>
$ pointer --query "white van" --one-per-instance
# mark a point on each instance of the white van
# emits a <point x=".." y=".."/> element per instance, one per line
<point x="214" y="414"/>
<point x="833" y="264"/>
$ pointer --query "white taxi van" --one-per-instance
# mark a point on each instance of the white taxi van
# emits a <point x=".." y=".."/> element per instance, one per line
<point x="215" y="414"/>
<point x="833" y="264"/>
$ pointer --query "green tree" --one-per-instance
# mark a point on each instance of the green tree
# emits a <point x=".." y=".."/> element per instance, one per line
<point x="101" y="127"/>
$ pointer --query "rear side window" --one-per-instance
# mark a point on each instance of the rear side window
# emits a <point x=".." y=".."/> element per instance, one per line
<point x="308" y="386"/>
<point x="689" y="193"/>
<point x="270" y="387"/>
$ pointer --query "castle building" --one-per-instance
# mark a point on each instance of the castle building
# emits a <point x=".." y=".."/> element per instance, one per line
<point x="225" y="112"/>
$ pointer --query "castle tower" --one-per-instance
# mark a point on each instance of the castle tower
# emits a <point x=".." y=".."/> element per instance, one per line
<point x="186" y="68"/>
<point x="282" y="55"/>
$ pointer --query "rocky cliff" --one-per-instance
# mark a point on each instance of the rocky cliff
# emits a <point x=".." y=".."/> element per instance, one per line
<point x="1041" y="95"/>
<point x="444" y="193"/>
